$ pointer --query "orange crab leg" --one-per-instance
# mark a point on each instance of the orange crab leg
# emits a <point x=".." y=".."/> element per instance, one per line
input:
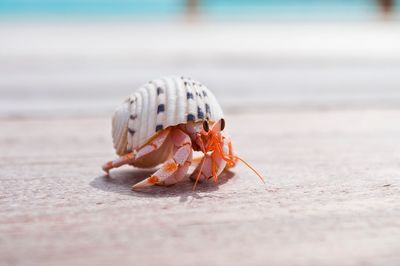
<point x="126" y="159"/>
<point x="175" y="168"/>
<point x="130" y="158"/>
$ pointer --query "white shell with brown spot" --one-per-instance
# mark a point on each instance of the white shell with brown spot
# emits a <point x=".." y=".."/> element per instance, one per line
<point x="159" y="104"/>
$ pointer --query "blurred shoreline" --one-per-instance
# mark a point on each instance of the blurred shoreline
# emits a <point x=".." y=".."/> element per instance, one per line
<point x="76" y="68"/>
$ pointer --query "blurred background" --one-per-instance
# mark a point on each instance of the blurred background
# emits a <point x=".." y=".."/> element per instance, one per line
<point x="83" y="57"/>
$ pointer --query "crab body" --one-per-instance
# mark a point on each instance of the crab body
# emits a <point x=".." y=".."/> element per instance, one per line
<point x="163" y="122"/>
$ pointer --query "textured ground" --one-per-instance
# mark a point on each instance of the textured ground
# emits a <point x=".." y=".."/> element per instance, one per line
<point x="331" y="196"/>
<point x="315" y="107"/>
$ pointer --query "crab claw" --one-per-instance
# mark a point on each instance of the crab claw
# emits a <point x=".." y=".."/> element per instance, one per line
<point x="211" y="165"/>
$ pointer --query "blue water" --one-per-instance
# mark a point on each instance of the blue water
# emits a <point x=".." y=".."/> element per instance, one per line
<point x="172" y="8"/>
<point x="64" y="7"/>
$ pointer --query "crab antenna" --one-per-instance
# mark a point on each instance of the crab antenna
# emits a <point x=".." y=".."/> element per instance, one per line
<point x="248" y="165"/>
<point x="228" y="160"/>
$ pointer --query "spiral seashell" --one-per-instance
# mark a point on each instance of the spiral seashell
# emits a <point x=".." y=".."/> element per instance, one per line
<point x="159" y="104"/>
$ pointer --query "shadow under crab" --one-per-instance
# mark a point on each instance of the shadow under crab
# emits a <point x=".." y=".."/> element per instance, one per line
<point x="121" y="182"/>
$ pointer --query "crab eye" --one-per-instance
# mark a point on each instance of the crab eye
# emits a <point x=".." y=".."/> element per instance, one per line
<point x="206" y="126"/>
<point x="222" y="124"/>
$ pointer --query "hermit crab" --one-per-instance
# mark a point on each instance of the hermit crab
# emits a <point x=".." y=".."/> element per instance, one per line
<point x="163" y="122"/>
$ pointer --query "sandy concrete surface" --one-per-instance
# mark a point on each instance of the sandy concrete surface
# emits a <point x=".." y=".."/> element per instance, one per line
<point x="331" y="196"/>
<point x="312" y="106"/>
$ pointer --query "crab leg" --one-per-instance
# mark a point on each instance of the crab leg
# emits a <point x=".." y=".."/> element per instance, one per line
<point x="130" y="158"/>
<point x="180" y="172"/>
<point x="175" y="168"/>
